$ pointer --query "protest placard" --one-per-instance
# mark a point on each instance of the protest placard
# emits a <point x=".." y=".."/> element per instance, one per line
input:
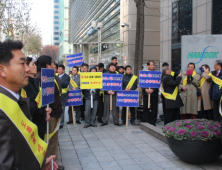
<point x="150" y="79"/>
<point x="91" y="80"/>
<point x="75" y="60"/>
<point x="112" y="82"/>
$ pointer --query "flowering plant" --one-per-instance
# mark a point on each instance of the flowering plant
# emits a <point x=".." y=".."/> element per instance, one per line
<point x="196" y="129"/>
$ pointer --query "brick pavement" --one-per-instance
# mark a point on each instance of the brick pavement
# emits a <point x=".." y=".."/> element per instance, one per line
<point x="117" y="148"/>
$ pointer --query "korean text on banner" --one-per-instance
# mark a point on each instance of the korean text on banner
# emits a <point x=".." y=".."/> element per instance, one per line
<point x="74" y="98"/>
<point x="150" y="79"/>
<point x="75" y="60"/>
<point x="127" y="99"/>
<point x="112" y="82"/>
<point x="48" y="86"/>
<point x="91" y="80"/>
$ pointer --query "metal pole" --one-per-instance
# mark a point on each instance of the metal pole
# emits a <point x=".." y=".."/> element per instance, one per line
<point x="98" y="45"/>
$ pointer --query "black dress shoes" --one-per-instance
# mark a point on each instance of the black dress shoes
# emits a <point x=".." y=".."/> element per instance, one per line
<point x="117" y="124"/>
<point x="61" y="168"/>
<point x="70" y="122"/>
<point x="61" y="126"/>
<point x="78" y="122"/>
<point x="104" y="124"/>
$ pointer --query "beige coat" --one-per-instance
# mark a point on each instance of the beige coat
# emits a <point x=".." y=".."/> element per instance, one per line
<point x="189" y="97"/>
<point x="207" y="103"/>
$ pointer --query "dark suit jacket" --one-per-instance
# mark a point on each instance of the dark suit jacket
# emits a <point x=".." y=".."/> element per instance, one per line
<point x="65" y="79"/>
<point x="77" y="80"/>
<point x="15" y="153"/>
<point x="214" y="91"/>
<point x="169" y="86"/>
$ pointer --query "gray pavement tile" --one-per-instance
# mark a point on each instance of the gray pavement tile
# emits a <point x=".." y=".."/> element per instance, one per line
<point x="91" y="165"/>
<point x="73" y="167"/>
<point x="128" y="147"/>
<point x="211" y="166"/>
<point x="121" y="152"/>
<point x="113" y="168"/>
<point x="83" y="150"/>
<point x="153" y="154"/>
<point x="81" y="146"/>
<point x="187" y="166"/>
<point x="110" y="144"/>
<point x="173" y="168"/>
<point x="113" y="148"/>
<point x="65" y="140"/>
<point x="66" y="143"/>
<point x="95" y="145"/>
<point x="101" y="149"/>
<point x="144" y="160"/>
<point x="167" y="164"/>
<point x="87" y="159"/>
<point x="159" y="159"/>
<point x="66" y="147"/>
<point x="131" y="167"/>
<point x="137" y="142"/>
<point x="121" y="157"/>
<point x="150" y="166"/>
<point x="64" y="137"/>
<point x="106" y="153"/>
<point x="124" y="143"/>
<point x="65" y="155"/>
<point x="86" y="154"/>
<point x="69" y="161"/>
<point x="108" y="164"/>
<point x="126" y="162"/>
<point x="135" y="155"/>
<point x="104" y="158"/>
<point x="133" y="151"/>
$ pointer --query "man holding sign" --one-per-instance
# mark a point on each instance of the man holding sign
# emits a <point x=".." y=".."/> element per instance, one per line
<point x="129" y="83"/>
<point x="150" y="115"/>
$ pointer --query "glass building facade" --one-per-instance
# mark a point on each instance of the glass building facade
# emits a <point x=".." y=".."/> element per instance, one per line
<point x="56" y="22"/>
<point x="216" y="17"/>
<point x="106" y="11"/>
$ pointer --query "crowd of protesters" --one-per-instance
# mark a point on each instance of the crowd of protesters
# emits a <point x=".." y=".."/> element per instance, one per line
<point x="187" y="95"/>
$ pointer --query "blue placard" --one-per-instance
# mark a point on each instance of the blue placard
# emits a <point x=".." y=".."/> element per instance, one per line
<point x="75" y="60"/>
<point x="150" y="79"/>
<point x="127" y="99"/>
<point x="112" y="82"/>
<point x="74" y="98"/>
<point x="48" y="85"/>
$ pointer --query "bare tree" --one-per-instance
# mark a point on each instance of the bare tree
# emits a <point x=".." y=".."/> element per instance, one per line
<point x="52" y="51"/>
<point x="139" y="36"/>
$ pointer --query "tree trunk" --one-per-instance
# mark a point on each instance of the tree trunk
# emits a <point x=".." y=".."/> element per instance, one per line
<point x="139" y="36"/>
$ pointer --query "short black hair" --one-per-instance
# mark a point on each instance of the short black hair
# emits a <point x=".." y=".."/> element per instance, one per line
<point x="6" y="49"/>
<point x="206" y="66"/>
<point x="28" y="60"/>
<point x="148" y="63"/>
<point x="128" y="66"/>
<point x="77" y="68"/>
<point x="113" y="58"/>
<point x="219" y="62"/>
<point x="57" y="66"/>
<point x="42" y="61"/>
<point x="84" y="64"/>
<point x="191" y="64"/>
<point x="165" y="64"/>
<point x="101" y="65"/>
<point x="62" y="66"/>
<point x="121" y="67"/>
<point x="112" y="64"/>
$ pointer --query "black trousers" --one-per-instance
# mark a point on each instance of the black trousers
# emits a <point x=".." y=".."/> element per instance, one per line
<point x="41" y="135"/>
<point x="132" y="111"/>
<point x="163" y="104"/>
<point x="100" y="108"/>
<point x="216" y="113"/>
<point x="82" y="107"/>
<point x="150" y="115"/>
<point x="172" y="115"/>
<point x="206" y="114"/>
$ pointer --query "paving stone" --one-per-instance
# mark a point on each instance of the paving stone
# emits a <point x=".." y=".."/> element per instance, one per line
<point x="91" y="165"/>
<point x="104" y="158"/>
<point x="69" y="161"/>
<point x="108" y="164"/>
<point x="131" y="167"/>
<point x="126" y="162"/>
<point x="121" y="157"/>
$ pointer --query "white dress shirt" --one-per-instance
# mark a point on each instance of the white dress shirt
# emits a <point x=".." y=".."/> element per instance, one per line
<point x="16" y="95"/>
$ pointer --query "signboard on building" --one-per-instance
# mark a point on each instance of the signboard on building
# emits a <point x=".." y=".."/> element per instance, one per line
<point x="201" y="49"/>
<point x="75" y="60"/>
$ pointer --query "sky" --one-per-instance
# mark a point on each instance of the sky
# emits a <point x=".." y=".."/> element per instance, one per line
<point x="42" y="17"/>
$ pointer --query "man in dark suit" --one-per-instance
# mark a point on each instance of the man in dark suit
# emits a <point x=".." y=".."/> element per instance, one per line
<point x="65" y="79"/>
<point x="215" y="91"/>
<point x="15" y="140"/>
<point x="74" y="85"/>
<point x="171" y="95"/>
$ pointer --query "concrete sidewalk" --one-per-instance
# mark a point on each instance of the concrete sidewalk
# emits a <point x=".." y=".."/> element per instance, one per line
<point x="115" y="148"/>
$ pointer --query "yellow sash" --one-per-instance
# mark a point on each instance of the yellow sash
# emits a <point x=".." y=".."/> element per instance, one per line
<point x="185" y="80"/>
<point x="28" y="129"/>
<point x="57" y="74"/>
<point x="73" y="83"/>
<point x="117" y="72"/>
<point x="172" y="73"/>
<point x="101" y="92"/>
<point x="23" y="93"/>
<point x="38" y="98"/>
<point x="65" y="90"/>
<point x="51" y="134"/>
<point x="79" y="72"/>
<point x="131" y="82"/>
<point x="57" y="87"/>
<point x="171" y="96"/>
<point x="217" y="81"/>
<point x="203" y="80"/>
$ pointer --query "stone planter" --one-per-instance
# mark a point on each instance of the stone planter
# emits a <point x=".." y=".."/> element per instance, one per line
<point x="197" y="151"/>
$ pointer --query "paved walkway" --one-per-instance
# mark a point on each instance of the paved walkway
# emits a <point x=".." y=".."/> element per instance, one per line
<point x="116" y="148"/>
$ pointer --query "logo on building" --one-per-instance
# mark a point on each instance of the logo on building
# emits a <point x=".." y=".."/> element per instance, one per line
<point x="209" y="52"/>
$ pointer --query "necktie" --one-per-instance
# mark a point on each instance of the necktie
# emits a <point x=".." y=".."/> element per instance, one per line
<point x="217" y="74"/>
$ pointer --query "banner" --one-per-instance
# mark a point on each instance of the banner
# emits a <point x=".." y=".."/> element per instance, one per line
<point x="48" y="86"/>
<point x="74" y="60"/>
<point x="91" y="80"/>
<point x="74" y="98"/>
<point x="150" y="79"/>
<point x="112" y="82"/>
<point x="128" y="99"/>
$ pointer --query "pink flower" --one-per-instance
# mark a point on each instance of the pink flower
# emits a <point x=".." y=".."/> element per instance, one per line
<point x="173" y="129"/>
<point x="206" y="123"/>
<point x="200" y="127"/>
<point x="211" y="127"/>
<point x="177" y="124"/>
<point x="181" y="132"/>
<point x="187" y="122"/>
<point x="196" y="123"/>
<point x="216" y="125"/>
<point x="167" y="128"/>
<point x="216" y="132"/>
<point x="193" y="134"/>
<point x="189" y="127"/>
<point x="204" y="133"/>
